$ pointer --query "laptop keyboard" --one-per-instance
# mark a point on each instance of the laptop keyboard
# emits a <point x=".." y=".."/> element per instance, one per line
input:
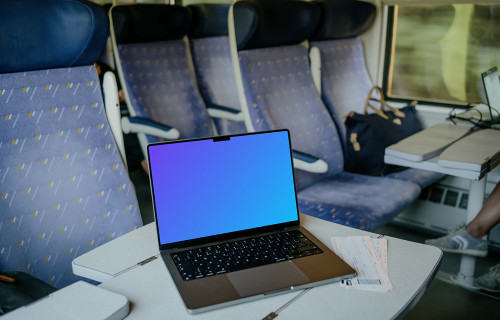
<point x="238" y="255"/>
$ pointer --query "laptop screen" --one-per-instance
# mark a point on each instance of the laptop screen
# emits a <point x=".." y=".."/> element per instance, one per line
<point x="214" y="186"/>
<point x="491" y="83"/>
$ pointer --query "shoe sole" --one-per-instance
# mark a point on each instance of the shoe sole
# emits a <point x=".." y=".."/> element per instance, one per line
<point x="487" y="289"/>
<point x="470" y="252"/>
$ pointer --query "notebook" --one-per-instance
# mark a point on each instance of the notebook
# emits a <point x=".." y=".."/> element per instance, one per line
<point x="217" y="202"/>
<point x="491" y="111"/>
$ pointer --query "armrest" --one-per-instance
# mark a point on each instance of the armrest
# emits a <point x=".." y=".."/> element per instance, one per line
<point x="112" y="106"/>
<point x="315" y="58"/>
<point x="309" y="163"/>
<point x="222" y="112"/>
<point x="147" y="126"/>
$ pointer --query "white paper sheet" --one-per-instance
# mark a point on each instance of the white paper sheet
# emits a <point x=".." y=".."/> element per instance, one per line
<point x="368" y="256"/>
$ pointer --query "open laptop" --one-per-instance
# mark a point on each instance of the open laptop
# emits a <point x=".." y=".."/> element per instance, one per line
<point x="228" y="222"/>
<point x="489" y="112"/>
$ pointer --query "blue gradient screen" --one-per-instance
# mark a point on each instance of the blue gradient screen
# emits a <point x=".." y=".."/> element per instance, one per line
<point x="204" y="188"/>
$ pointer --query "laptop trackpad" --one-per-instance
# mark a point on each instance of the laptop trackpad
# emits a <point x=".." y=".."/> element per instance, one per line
<point x="267" y="278"/>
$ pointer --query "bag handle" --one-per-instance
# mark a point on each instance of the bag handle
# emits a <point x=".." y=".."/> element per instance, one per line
<point x="369" y="105"/>
<point x="383" y="104"/>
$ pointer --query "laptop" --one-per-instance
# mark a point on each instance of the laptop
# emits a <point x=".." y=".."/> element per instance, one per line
<point x="228" y="222"/>
<point x="489" y="112"/>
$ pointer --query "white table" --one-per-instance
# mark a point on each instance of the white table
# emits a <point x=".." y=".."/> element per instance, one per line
<point x="152" y="293"/>
<point x="471" y="157"/>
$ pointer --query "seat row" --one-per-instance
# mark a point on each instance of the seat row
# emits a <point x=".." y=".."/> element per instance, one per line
<point x="259" y="73"/>
<point x="64" y="188"/>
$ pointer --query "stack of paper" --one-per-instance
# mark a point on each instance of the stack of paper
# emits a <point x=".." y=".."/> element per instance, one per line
<point x="368" y="256"/>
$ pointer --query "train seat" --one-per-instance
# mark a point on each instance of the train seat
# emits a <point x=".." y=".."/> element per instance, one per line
<point x="153" y="63"/>
<point x="278" y="90"/>
<point x="209" y="46"/>
<point x="344" y="80"/>
<point x="64" y="189"/>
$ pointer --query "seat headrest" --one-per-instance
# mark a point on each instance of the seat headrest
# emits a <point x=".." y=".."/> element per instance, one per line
<point x="150" y="22"/>
<point x="49" y="34"/>
<point x="209" y="20"/>
<point x="270" y="23"/>
<point x="107" y="6"/>
<point x="342" y="19"/>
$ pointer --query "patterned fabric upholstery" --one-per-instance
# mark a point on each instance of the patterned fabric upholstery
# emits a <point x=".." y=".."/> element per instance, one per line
<point x="423" y="178"/>
<point x="344" y="77"/>
<point x="357" y="201"/>
<point x="280" y="94"/>
<point x="63" y="187"/>
<point x="214" y="71"/>
<point x="345" y="83"/>
<point x="160" y="86"/>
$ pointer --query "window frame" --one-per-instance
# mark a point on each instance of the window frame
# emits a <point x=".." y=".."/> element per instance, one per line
<point x="388" y="63"/>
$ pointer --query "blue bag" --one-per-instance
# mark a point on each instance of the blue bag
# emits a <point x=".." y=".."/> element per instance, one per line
<point x="369" y="134"/>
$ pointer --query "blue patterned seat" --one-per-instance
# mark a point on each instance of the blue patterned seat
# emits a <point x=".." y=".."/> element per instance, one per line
<point x="279" y="93"/>
<point x="64" y="189"/>
<point x="345" y="81"/>
<point x="209" y="45"/>
<point x="150" y="46"/>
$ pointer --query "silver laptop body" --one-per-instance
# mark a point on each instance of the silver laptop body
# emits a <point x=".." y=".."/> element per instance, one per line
<point x="489" y="112"/>
<point x="214" y="191"/>
<point x="491" y="83"/>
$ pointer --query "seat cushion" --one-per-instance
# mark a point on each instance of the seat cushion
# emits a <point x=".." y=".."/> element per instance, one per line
<point x="64" y="189"/>
<point x="160" y="86"/>
<point x="280" y="93"/>
<point x="215" y="75"/>
<point x="357" y="201"/>
<point x="345" y="82"/>
<point x="423" y="178"/>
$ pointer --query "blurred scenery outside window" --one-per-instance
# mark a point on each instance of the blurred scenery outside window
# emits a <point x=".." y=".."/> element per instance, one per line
<point x="439" y="51"/>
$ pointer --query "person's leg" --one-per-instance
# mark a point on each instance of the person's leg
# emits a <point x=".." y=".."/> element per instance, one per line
<point x="458" y="240"/>
<point x="488" y="216"/>
<point x="468" y="239"/>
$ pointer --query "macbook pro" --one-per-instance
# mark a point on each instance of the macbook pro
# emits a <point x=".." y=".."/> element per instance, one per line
<point x="228" y="222"/>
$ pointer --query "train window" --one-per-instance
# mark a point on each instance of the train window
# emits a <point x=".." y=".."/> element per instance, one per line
<point x="436" y="53"/>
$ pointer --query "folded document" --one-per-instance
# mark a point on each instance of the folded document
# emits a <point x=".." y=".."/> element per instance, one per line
<point x="368" y="256"/>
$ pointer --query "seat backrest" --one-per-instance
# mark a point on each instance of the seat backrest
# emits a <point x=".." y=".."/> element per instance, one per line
<point x="345" y="81"/>
<point x="209" y="45"/>
<point x="64" y="189"/>
<point x="153" y="63"/>
<point x="276" y="79"/>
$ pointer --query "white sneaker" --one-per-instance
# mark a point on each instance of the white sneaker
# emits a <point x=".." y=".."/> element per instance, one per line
<point x="489" y="281"/>
<point x="460" y="241"/>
